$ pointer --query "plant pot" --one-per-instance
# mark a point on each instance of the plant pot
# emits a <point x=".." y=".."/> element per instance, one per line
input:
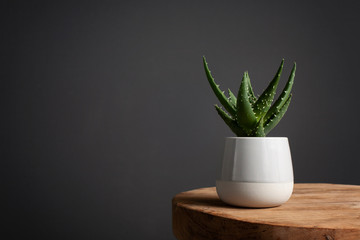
<point x="256" y="172"/>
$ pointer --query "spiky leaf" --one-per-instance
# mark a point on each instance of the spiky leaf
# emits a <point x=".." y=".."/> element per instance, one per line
<point x="252" y="97"/>
<point x="283" y="96"/>
<point x="230" y="122"/>
<point x="263" y="104"/>
<point x="219" y="94"/>
<point x="259" y="130"/>
<point x="245" y="117"/>
<point x="275" y="118"/>
<point x="232" y="98"/>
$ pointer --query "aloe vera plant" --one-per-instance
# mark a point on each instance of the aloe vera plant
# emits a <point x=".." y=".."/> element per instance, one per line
<point x="248" y="115"/>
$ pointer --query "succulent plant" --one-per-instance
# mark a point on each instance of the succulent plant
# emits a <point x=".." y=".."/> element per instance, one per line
<point x="248" y="115"/>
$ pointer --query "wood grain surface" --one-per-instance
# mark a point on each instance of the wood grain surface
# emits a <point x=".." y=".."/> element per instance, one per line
<point x="315" y="211"/>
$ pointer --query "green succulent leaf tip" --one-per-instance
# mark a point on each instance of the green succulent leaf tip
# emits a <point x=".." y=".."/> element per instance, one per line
<point x="250" y="116"/>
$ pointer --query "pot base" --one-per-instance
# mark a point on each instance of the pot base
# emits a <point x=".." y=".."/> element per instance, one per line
<point x="254" y="195"/>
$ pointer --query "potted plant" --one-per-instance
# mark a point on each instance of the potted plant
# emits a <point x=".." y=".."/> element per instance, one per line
<point x="256" y="170"/>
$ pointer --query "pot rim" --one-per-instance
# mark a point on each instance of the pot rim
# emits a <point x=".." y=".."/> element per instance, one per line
<point x="256" y="138"/>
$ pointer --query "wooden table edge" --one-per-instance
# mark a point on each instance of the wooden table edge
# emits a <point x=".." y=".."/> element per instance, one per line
<point x="329" y="233"/>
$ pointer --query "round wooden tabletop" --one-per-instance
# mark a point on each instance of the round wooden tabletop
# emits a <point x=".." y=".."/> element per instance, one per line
<point x="315" y="211"/>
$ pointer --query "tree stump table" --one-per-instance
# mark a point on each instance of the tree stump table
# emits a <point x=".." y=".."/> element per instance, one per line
<point x="315" y="211"/>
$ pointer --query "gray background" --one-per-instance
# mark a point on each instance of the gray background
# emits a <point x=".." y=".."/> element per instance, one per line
<point x="107" y="114"/>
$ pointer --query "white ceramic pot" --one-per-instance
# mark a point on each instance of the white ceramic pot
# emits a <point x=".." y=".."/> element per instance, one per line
<point x="256" y="172"/>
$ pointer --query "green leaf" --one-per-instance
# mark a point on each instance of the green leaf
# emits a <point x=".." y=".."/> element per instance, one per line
<point x="252" y="96"/>
<point x="245" y="115"/>
<point x="230" y="122"/>
<point x="283" y="96"/>
<point x="219" y="94"/>
<point x="232" y="98"/>
<point x="259" y="130"/>
<point x="263" y="104"/>
<point x="275" y="118"/>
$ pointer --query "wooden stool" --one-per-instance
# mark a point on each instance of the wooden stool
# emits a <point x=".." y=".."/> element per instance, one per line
<point x="315" y="211"/>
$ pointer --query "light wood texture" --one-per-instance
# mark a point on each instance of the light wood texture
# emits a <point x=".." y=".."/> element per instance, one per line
<point x="315" y="211"/>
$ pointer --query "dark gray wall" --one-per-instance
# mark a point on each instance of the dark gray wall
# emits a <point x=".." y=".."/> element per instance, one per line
<point x="107" y="114"/>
